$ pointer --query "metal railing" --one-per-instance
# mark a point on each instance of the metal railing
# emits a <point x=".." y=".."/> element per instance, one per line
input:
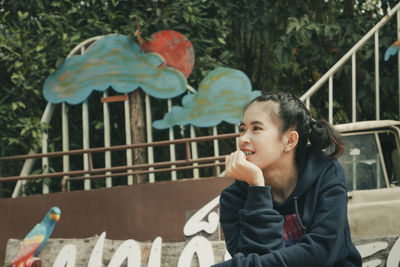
<point x="328" y="76"/>
<point x="192" y="162"/>
<point x="47" y="117"/>
<point x="117" y="171"/>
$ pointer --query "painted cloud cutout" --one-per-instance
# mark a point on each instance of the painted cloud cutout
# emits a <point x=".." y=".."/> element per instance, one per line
<point x="112" y="61"/>
<point x="221" y="96"/>
<point x="392" y="50"/>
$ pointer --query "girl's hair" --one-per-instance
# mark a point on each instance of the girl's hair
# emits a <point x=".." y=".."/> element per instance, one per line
<point x="292" y="113"/>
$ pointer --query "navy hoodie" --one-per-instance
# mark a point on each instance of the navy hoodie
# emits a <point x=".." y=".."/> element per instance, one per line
<point x="310" y="228"/>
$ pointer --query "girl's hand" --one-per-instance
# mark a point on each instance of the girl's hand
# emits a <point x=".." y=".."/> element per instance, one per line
<point x="238" y="167"/>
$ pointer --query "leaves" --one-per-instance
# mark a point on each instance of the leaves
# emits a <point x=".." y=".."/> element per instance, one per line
<point x="280" y="45"/>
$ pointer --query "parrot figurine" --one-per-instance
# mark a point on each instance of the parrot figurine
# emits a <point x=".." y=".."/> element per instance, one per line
<point x="36" y="239"/>
<point x="392" y="50"/>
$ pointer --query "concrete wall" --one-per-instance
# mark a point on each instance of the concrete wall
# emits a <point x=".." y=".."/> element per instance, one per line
<point x="142" y="213"/>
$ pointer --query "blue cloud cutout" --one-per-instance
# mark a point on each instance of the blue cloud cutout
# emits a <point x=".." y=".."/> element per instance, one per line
<point x="112" y="61"/>
<point x="221" y="97"/>
<point x="392" y="50"/>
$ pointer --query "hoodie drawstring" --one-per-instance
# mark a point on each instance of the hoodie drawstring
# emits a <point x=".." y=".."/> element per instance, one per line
<point x="298" y="216"/>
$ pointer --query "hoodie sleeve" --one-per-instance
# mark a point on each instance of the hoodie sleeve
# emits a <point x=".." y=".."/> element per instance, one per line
<point x="320" y="246"/>
<point x="249" y="222"/>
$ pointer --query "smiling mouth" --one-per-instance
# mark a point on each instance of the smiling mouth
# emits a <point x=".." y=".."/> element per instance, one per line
<point x="248" y="153"/>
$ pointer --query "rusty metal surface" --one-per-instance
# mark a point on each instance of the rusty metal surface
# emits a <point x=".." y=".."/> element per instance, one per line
<point x="118" y="171"/>
<point x="141" y="212"/>
<point x="122" y="147"/>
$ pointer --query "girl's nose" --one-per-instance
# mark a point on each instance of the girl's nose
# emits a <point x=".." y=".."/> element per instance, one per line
<point x="244" y="138"/>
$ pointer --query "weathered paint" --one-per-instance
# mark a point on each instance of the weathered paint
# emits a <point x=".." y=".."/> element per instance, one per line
<point x="113" y="61"/>
<point x="144" y="211"/>
<point x="174" y="47"/>
<point x="221" y="96"/>
<point x="373" y="252"/>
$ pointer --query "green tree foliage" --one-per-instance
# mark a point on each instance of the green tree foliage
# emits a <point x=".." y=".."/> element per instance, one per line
<point x="280" y="45"/>
<point x="289" y="45"/>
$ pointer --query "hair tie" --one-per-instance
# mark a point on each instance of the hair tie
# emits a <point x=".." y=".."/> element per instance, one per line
<point x="312" y="122"/>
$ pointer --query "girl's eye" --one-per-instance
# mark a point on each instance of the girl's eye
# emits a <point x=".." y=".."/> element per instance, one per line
<point x="256" y="128"/>
<point x="241" y="130"/>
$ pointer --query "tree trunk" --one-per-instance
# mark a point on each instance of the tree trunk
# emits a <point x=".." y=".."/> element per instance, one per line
<point x="138" y="131"/>
<point x="348" y="8"/>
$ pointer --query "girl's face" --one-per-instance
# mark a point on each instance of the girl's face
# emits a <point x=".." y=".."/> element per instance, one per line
<point x="260" y="138"/>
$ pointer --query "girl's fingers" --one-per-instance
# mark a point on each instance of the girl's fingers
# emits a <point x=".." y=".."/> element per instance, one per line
<point x="228" y="164"/>
<point x="236" y="166"/>
<point x="239" y="158"/>
<point x="235" y="162"/>
<point x="238" y="155"/>
<point x="230" y="160"/>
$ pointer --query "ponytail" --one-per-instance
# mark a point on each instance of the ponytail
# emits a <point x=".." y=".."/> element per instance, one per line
<point x="323" y="136"/>
<point x="293" y="113"/>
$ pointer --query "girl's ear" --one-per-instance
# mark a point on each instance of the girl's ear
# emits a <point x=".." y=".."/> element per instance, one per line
<point x="292" y="138"/>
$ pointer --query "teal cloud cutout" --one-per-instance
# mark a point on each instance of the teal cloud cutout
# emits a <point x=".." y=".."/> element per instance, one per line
<point x="221" y="96"/>
<point x="113" y="61"/>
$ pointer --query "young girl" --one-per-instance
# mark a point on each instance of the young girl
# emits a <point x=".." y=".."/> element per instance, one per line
<point x="288" y="204"/>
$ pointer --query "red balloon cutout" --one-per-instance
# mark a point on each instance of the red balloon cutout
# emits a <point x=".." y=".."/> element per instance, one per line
<point x="175" y="48"/>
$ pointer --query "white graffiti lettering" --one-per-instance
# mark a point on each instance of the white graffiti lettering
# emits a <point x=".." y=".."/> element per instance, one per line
<point x="202" y="247"/>
<point x="196" y="224"/>
<point x="130" y="250"/>
<point x="97" y="253"/>
<point x="66" y="257"/>
<point x="393" y="259"/>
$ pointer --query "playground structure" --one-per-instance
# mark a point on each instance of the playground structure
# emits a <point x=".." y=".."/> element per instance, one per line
<point x="186" y="161"/>
<point x="190" y="157"/>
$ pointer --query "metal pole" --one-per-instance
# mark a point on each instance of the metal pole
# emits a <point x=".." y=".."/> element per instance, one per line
<point x="150" y="150"/>
<point x="353" y="88"/>
<point x="193" y="145"/>
<point x="28" y="164"/>
<point x="45" y="162"/>
<point x="237" y="138"/>
<point x="65" y="144"/>
<point x="128" y="138"/>
<point x="354" y="49"/>
<point x="330" y="105"/>
<point x="107" y="138"/>
<point x="398" y="56"/>
<point x="216" y="150"/>
<point x="86" y="141"/>
<point x="377" y="100"/>
<point x="172" y="151"/>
